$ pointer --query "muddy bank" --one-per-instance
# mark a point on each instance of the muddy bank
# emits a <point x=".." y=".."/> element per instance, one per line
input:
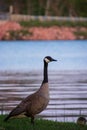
<point x="14" y="31"/>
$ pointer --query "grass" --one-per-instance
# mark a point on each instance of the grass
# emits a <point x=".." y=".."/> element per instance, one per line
<point x="24" y="124"/>
<point x="38" y="23"/>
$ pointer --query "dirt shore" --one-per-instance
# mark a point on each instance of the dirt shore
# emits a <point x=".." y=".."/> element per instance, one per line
<point x="14" y="31"/>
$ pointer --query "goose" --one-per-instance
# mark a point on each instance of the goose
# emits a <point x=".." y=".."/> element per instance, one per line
<point x="36" y="102"/>
<point x="81" y="120"/>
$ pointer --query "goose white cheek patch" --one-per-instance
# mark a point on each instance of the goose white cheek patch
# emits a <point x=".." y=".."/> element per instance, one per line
<point x="47" y="60"/>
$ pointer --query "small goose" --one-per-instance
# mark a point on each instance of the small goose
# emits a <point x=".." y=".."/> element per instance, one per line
<point x="81" y="120"/>
<point x="36" y="102"/>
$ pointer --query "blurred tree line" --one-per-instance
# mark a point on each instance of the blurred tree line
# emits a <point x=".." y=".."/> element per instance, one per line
<point x="50" y="7"/>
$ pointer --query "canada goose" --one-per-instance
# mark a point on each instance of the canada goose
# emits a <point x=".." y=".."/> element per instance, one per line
<point x="81" y="120"/>
<point x="36" y="102"/>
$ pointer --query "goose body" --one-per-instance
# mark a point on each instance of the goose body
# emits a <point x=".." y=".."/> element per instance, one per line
<point x="36" y="102"/>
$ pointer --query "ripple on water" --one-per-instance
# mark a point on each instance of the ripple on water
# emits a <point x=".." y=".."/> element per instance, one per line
<point x="68" y="93"/>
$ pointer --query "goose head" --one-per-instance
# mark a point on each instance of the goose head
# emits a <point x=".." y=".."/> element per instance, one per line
<point x="48" y="59"/>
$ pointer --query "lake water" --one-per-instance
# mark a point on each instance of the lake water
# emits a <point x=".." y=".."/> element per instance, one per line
<point x="21" y="64"/>
<point x="28" y="55"/>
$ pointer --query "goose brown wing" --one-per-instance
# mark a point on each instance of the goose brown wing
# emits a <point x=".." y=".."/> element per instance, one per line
<point x="21" y="108"/>
<point x="16" y="111"/>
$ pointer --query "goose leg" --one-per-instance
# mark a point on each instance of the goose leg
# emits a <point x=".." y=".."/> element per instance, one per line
<point x="32" y="120"/>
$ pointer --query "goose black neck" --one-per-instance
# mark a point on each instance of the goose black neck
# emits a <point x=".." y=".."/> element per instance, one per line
<point x="45" y="73"/>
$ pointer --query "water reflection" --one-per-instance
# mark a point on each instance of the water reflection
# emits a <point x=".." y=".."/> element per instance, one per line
<point x="68" y="92"/>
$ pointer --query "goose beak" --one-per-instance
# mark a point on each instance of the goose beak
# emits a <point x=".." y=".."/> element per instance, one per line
<point x="54" y="60"/>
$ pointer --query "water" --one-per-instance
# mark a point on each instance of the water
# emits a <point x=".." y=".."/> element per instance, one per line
<point x="21" y="74"/>
<point x="28" y="55"/>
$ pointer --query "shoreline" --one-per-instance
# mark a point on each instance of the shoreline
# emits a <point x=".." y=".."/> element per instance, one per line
<point x="14" y="31"/>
